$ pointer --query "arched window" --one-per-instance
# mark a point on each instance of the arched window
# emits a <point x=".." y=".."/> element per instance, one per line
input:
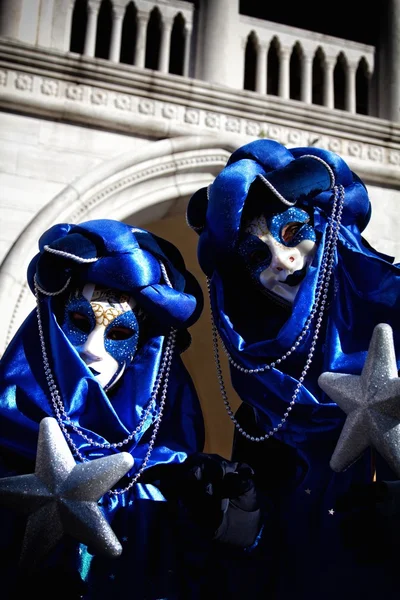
<point x="250" y="63"/>
<point x="153" y="40"/>
<point x="318" y="77"/>
<point x="296" y="60"/>
<point x="273" y="68"/>
<point x="104" y="24"/>
<point x="339" y="82"/>
<point x="129" y="33"/>
<point x="362" y="87"/>
<point x="177" y="48"/>
<point x="78" y="27"/>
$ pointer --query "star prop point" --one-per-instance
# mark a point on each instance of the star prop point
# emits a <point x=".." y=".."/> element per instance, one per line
<point x="372" y="404"/>
<point x="61" y="497"/>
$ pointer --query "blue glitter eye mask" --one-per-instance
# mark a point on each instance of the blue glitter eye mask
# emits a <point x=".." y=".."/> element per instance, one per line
<point x="79" y="320"/>
<point x="288" y="228"/>
<point x="291" y="227"/>
<point x="255" y="255"/>
<point x="123" y="348"/>
<point x="121" y="334"/>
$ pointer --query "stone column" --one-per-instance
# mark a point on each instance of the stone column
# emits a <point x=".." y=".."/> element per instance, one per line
<point x="350" y="100"/>
<point x="388" y="63"/>
<point x="19" y="20"/>
<point x="10" y="18"/>
<point x="91" y="30"/>
<point x="67" y="28"/>
<point x="140" y="50"/>
<point x="284" y="73"/>
<point x="219" y="58"/>
<point x="261" y="73"/>
<point x="186" y="57"/>
<point x="329" y="94"/>
<point x="306" y="79"/>
<point x="116" y="34"/>
<point x="165" y="45"/>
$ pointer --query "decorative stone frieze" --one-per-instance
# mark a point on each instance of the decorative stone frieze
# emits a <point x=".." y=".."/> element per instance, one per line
<point x="212" y="120"/>
<point x="99" y="97"/>
<point x="394" y="158"/>
<point x="74" y="92"/>
<point x="198" y="119"/>
<point x="232" y="125"/>
<point x="147" y="107"/>
<point x="123" y="102"/>
<point x="169" y="111"/>
<point x="49" y="87"/>
<point x="24" y="82"/>
<point x="192" y="116"/>
<point x="253" y="129"/>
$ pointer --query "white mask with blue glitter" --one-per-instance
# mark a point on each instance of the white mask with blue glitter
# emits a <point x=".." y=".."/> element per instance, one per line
<point x="278" y="251"/>
<point x="101" y="325"/>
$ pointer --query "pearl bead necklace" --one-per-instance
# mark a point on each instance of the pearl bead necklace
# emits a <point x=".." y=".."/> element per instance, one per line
<point x="319" y="306"/>
<point x="63" y="418"/>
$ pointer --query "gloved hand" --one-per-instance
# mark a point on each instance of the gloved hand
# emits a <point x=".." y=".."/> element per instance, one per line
<point x="371" y="523"/>
<point x="218" y="495"/>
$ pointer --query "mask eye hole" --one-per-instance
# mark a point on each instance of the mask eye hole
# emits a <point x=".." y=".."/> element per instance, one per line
<point x="257" y="256"/>
<point x="81" y="322"/>
<point x="120" y="333"/>
<point x="290" y="230"/>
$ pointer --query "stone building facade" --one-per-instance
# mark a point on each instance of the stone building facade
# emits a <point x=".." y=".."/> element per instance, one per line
<point x="121" y="109"/>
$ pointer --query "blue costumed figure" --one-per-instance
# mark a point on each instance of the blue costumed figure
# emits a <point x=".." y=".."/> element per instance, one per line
<point x="101" y="355"/>
<point x="296" y="291"/>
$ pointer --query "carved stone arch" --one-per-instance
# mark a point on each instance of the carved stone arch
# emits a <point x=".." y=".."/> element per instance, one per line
<point x="318" y="76"/>
<point x="147" y="186"/>
<point x="296" y="60"/>
<point x="250" y="61"/>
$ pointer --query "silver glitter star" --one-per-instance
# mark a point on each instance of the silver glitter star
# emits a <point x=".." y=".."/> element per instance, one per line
<point x="61" y="497"/>
<point x="308" y="491"/>
<point x="331" y="511"/>
<point x="371" y="402"/>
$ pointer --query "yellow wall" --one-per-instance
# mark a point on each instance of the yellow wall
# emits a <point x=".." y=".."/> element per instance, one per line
<point x="199" y="358"/>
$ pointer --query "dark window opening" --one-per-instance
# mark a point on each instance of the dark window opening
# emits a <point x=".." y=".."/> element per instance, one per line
<point x="78" y="27"/>
<point x="153" y="40"/>
<point x="273" y="68"/>
<point x="362" y="88"/>
<point x="296" y="60"/>
<point x="129" y="33"/>
<point x="318" y="78"/>
<point x="340" y="82"/>
<point x="177" y="48"/>
<point x="250" y="63"/>
<point x="104" y="24"/>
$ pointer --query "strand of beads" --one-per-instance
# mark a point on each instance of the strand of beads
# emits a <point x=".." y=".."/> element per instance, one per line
<point x="318" y="307"/>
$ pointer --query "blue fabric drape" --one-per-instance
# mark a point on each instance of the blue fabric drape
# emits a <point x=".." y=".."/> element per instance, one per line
<point x="306" y="557"/>
<point x="128" y="259"/>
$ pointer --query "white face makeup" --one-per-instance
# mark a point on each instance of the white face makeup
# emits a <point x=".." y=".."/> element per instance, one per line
<point x="279" y="250"/>
<point x="101" y="325"/>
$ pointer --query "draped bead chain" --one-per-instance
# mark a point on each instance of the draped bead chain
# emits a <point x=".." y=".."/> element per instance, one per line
<point x="318" y="309"/>
<point x="64" y="419"/>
